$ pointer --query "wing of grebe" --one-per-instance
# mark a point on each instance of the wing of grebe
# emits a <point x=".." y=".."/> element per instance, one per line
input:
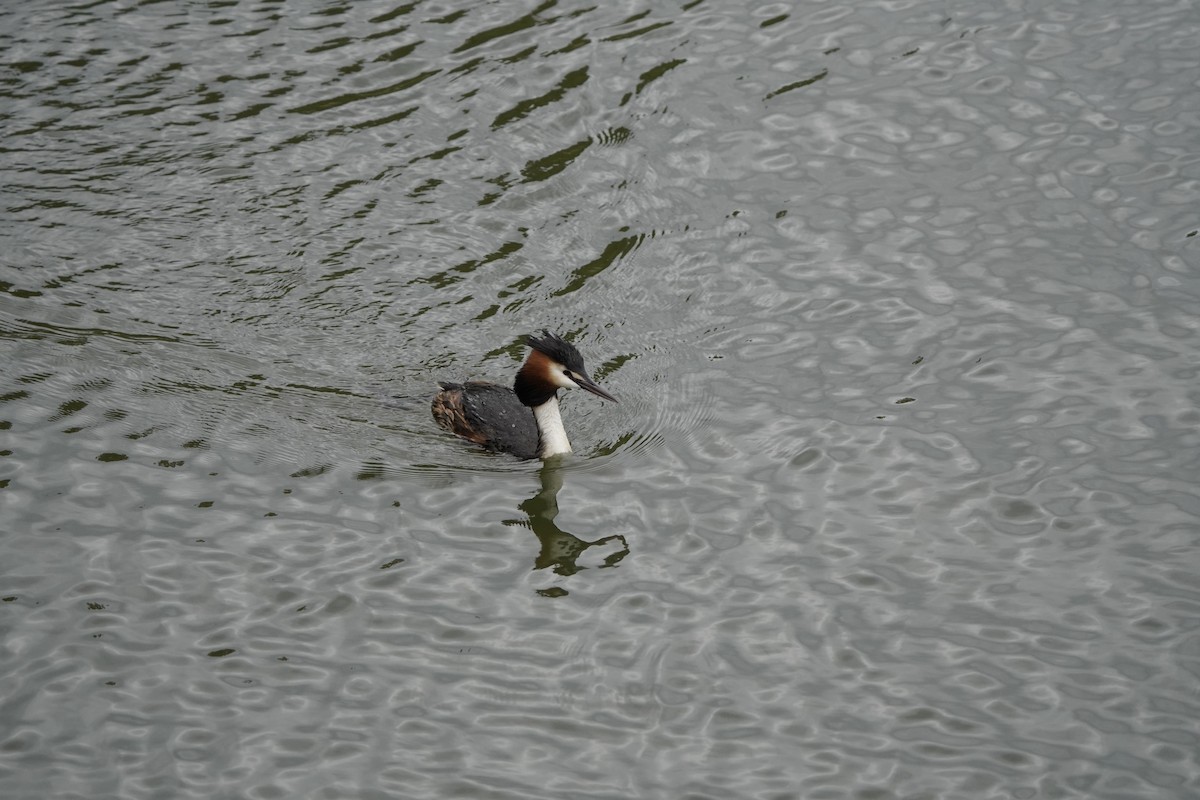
<point x="489" y="415"/>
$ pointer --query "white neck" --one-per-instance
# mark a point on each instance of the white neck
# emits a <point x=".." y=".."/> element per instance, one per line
<point x="551" y="433"/>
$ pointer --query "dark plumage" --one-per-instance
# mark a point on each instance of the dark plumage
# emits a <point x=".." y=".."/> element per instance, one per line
<point x="489" y="415"/>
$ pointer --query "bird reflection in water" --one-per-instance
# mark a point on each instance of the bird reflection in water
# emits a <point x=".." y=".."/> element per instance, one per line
<point x="559" y="549"/>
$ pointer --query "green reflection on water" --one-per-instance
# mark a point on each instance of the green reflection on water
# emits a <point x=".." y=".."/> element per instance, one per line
<point x="560" y="549"/>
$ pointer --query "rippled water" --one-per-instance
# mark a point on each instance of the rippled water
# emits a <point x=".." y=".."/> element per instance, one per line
<point x="900" y="300"/>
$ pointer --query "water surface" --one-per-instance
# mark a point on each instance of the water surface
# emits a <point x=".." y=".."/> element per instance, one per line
<point x="900" y="301"/>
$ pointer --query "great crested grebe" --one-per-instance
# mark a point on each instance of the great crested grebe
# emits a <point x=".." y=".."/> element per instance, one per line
<point x="523" y="420"/>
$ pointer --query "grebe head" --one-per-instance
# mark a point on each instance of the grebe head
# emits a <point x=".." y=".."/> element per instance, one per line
<point x="553" y="364"/>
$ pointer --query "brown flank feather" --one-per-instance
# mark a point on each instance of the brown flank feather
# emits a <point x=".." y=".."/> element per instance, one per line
<point x="449" y="413"/>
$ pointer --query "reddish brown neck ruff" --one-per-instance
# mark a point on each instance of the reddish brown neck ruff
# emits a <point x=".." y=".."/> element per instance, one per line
<point x="533" y="385"/>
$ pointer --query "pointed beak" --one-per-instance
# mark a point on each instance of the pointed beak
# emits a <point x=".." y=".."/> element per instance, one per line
<point x="589" y="385"/>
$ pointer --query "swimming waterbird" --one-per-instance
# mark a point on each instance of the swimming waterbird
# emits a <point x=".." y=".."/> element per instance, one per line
<point x="524" y="420"/>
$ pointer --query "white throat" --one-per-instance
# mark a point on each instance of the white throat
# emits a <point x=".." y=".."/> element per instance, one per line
<point x="552" y="436"/>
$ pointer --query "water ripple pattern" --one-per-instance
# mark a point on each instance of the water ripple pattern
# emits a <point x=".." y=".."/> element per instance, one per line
<point x="900" y="300"/>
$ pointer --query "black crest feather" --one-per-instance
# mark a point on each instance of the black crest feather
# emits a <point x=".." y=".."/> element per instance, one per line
<point x="558" y="349"/>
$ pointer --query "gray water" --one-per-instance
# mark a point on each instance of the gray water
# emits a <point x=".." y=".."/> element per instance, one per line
<point x="900" y="300"/>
